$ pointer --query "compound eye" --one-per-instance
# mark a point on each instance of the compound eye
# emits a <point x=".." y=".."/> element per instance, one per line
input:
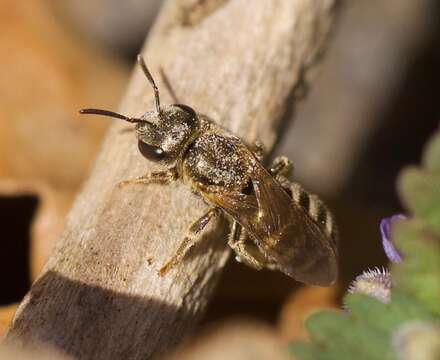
<point x="151" y="152"/>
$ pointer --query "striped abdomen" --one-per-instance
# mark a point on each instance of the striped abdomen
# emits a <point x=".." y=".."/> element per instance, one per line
<point x="315" y="208"/>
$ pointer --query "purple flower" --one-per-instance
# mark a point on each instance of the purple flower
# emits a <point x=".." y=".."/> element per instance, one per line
<point x="377" y="282"/>
<point x="373" y="282"/>
<point x="387" y="243"/>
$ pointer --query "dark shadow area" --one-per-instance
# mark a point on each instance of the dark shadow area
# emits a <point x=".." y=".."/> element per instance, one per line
<point x="90" y="322"/>
<point x="16" y="214"/>
<point x="243" y="291"/>
<point x="407" y="123"/>
<point x="360" y="244"/>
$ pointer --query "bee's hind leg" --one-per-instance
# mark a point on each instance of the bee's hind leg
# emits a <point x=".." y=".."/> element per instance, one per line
<point x="246" y="251"/>
<point x="281" y="165"/>
<point x="190" y="240"/>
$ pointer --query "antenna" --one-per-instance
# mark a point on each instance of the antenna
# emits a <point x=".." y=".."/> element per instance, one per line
<point x="147" y="73"/>
<point x="167" y="84"/>
<point x="111" y="114"/>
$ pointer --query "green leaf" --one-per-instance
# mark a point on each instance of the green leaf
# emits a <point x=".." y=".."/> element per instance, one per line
<point x="305" y="351"/>
<point x="431" y="158"/>
<point x="419" y="272"/>
<point x="365" y="309"/>
<point x="340" y="335"/>
<point x="420" y="192"/>
<point x="401" y="309"/>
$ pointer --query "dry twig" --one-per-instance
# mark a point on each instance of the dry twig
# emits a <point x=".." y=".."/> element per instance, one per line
<point x="99" y="295"/>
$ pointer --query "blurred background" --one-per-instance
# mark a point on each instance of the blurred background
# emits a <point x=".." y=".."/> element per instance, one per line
<point x="364" y="112"/>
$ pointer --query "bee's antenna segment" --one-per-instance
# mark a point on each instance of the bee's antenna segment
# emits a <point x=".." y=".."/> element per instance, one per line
<point x="167" y="84"/>
<point x="147" y="73"/>
<point x="110" y="114"/>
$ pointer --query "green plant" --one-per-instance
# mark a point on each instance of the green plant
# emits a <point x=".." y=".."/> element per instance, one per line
<point x="405" y="324"/>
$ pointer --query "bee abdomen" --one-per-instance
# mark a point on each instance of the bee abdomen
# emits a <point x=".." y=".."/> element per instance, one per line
<point x="314" y="207"/>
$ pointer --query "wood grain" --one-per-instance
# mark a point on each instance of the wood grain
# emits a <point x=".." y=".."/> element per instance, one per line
<point x="100" y="296"/>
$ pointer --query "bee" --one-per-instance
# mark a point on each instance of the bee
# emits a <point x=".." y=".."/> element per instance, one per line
<point x="276" y="224"/>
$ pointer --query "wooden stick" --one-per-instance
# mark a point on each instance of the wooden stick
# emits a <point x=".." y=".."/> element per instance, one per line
<point x="100" y="295"/>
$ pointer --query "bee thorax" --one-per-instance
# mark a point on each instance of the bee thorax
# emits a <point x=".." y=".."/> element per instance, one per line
<point x="214" y="160"/>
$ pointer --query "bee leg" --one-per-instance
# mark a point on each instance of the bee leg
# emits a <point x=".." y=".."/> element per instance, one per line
<point x="258" y="149"/>
<point x="245" y="253"/>
<point x="190" y="240"/>
<point x="156" y="177"/>
<point x="281" y="165"/>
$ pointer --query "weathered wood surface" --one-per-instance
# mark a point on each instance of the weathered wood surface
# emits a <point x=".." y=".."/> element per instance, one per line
<point x="100" y="295"/>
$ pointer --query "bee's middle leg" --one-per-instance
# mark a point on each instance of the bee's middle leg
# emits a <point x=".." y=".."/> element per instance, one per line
<point x="190" y="240"/>
<point x="246" y="251"/>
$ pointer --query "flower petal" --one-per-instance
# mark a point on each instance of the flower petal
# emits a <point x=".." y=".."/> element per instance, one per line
<point x="387" y="243"/>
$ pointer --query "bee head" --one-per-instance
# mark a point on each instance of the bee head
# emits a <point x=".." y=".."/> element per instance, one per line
<point x="164" y="133"/>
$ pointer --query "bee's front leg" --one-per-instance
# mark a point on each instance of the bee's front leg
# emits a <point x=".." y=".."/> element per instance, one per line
<point x="155" y="177"/>
<point x="190" y="240"/>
